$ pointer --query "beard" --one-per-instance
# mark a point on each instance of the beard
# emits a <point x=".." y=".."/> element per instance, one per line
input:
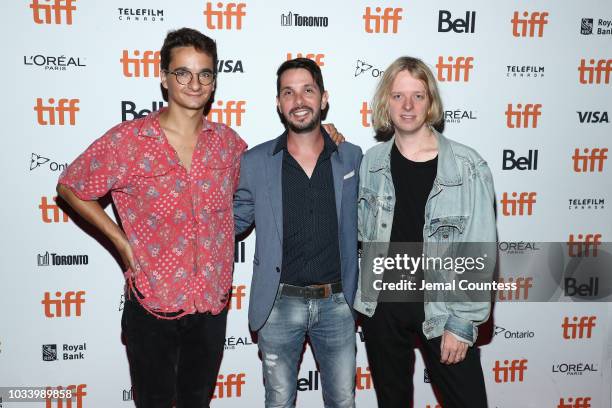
<point x="303" y="127"/>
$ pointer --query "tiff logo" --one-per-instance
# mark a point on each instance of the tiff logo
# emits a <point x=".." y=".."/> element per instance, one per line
<point x="452" y="71"/>
<point x="584" y="245"/>
<point x="520" y="293"/>
<point x="229" y="114"/>
<point x="74" y="396"/>
<point x="149" y="62"/>
<point x="365" y="114"/>
<point x="516" y="206"/>
<point x="519" y="118"/>
<point x="53" y="307"/>
<point x="363" y="379"/>
<point x="238" y="293"/>
<point x="533" y="21"/>
<point x="231" y="387"/>
<point x="56" y="212"/>
<point x="318" y="58"/>
<point x="223" y="18"/>
<point x="390" y="16"/>
<point x="52" y="11"/>
<point x="579" y="328"/>
<point x="52" y="114"/>
<point x="591" y="161"/>
<point x="508" y="372"/>
<point x="593" y="72"/>
<point x="579" y="402"/>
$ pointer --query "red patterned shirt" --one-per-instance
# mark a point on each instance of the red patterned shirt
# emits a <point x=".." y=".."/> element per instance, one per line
<point x="180" y="224"/>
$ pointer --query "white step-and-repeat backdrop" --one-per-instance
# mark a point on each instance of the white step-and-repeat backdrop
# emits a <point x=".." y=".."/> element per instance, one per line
<point x="527" y="83"/>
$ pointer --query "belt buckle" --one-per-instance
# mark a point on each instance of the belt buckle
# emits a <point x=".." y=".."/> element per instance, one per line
<point x="325" y="288"/>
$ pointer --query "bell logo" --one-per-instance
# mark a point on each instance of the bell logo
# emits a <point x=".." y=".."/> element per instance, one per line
<point x="451" y="71"/>
<point x="516" y="206"/>
<point x="593" y="72"/>
<point x="318" y="58"/>
<point x="132" y="66"/>
<point x="363" y="378"/>
<point x="229" y="387"/>
<point x="231" y="11"/>
<point x="535" y="20"/>
<point x="508" y="372"/>
<point x="238" y="293"/>
<point x="129" y="108"/>
<point x="520" y="293"/>
<point x="583" y="245"/>
<point x="519" y="118"/>
<point x="230" y="114"/>
<point x="529" y="162"/>
<point x="579" y="328"/>
<point x="58" y="215"/>
<point x="591" y="161"/>
<point x="53" y="307"/>
<point x="579" y="402"/>
<point x="52" y="114"/>
<point x="365" y="114"/>
<point x="72" y="393"/>
<point x="52" y="11"/>
<point x="389" y="15"/>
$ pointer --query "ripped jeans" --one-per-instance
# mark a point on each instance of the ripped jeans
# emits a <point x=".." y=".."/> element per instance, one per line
<point x="330" y="327"/>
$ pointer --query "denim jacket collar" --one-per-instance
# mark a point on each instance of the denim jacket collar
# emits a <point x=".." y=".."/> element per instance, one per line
<point x="447" y="173"/>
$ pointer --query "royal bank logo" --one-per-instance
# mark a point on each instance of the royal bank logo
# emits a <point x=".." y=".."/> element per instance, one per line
<point x="49" y="352"/>
<point x="140" y="15"/>
<point x="54" y="62"/>
<point x="600" y="26"/>
<point x="292" y="19"/>
<point x="68" y="352"/>
<point x="592" y="203"/>
<point x="36" y="161"/>
<point x="459" y="116"/>
<point x="363" y="67"/>
<point x="525" y="71"/>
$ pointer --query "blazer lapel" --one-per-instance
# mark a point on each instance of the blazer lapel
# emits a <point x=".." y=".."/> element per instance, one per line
<point x="274" y="172"/>
<point x="338" y="174"/>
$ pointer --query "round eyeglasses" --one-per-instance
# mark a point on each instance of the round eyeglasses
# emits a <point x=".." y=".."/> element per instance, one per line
<point x="184" y="77"/>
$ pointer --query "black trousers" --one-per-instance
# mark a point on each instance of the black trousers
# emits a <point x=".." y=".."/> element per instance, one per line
<point x="389" y="340"/>
<point x="173" y="361"/>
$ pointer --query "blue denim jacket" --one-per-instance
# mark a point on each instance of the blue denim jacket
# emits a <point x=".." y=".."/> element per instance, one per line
<point x="460" y="208"/>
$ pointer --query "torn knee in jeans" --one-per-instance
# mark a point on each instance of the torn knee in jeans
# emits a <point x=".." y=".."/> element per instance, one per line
<point x="270" y="359"/>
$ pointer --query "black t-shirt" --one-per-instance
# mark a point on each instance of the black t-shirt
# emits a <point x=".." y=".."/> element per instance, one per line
<point x="413" y="182"/>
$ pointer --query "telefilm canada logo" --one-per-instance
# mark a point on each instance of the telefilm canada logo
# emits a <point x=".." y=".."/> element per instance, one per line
<point x="54" y="62"/>
<point x="596" y="26"/>
<point x="591" y="203"/>
<point x="140" y="15"/>
<point x="292" y="19"/>
<point x="363" y="67"/>
<point x="525" y="71"/>
<point x="37" y="160"/>
<point x="55" y="259"/>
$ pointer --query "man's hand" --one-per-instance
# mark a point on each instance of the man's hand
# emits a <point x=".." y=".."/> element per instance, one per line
<point x="336" y="136"/>
<point x="452" y="350"/>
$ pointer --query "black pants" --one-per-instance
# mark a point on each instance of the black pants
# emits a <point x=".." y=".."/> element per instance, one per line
<point x="173" y="361"/>
<point x="389" y="340"/>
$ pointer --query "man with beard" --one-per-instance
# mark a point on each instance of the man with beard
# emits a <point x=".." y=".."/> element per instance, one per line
<point x="300" y="190"/>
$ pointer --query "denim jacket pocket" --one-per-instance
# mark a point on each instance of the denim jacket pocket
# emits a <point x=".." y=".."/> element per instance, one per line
<point x="443" y="232"/>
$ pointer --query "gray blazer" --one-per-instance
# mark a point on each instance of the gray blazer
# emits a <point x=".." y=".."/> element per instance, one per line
<point x="258" y="200"/>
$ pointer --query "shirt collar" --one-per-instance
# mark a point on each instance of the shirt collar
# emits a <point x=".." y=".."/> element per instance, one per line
<point x="328" y="144"/>
<point x="151" y="128"/>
